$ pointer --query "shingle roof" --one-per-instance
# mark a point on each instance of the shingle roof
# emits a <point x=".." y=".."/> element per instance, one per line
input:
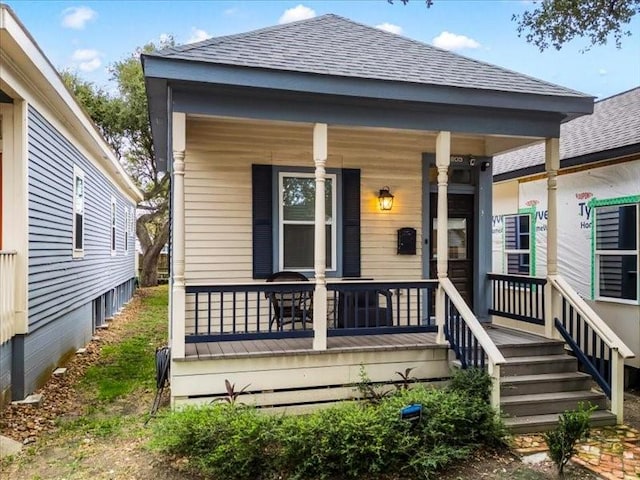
<point x="333" y="45"/>
<point x="615" y="123"/>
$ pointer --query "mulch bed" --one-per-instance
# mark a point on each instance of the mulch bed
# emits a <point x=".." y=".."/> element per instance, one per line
<point x="61" y="396"/>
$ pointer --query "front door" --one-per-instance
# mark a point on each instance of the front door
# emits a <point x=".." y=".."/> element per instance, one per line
<point x="460" y="235"/>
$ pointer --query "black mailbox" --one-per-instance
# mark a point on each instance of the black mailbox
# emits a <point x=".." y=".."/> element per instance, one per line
<point x="407" y="241"/>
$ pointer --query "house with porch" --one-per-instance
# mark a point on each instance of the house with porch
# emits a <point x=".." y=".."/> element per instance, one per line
<point x="331" y="212"/>
<point x="67" y="210"/>
<point x="599" y="199"/>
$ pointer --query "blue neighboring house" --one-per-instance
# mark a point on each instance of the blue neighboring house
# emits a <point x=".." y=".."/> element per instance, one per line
<point x="67" y="218"/>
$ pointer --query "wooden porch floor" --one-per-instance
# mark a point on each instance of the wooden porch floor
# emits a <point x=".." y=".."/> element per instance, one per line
<point x="303" y="346"/>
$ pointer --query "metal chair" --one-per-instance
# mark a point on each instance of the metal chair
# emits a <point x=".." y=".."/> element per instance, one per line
<point x="364" y="309"/>
<point x="290" y="306"/>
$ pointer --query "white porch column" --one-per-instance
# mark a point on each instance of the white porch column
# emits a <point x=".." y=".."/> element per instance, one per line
<point x="177" y="319"/>
<point x="320" y="260"/>
<point x="552" y="165"/>
<point x="443" y="154"/>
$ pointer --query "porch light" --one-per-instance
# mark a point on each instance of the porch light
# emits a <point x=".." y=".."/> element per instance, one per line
<point x="385" y="199"/>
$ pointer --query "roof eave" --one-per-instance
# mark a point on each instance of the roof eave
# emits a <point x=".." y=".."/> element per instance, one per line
<point x="586" y="159"/>
<point x="571" y="106"/>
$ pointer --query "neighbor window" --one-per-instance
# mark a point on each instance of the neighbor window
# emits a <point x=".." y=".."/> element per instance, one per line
<point x="78" y="212"/>
<point x="517" y="244"/>
<point x="617" y="251"/>
<point x="113" y="226"/>
<point x="127" y="226"/>
<point x="296" y="233"/>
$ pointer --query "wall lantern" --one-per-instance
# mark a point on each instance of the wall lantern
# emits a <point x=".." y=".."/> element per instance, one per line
<point x="385" y="199"/>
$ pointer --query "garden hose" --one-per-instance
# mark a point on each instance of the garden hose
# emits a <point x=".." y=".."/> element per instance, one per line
<point x="163" y="362"/>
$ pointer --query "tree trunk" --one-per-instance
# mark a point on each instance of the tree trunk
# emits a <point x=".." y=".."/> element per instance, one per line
<point x="151" y="249"/>
<point x="149" y="268"/>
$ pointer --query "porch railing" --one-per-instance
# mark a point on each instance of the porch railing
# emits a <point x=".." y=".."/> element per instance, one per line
<point x="7" y="295"/>
<point x="469" y="340"/>
<point x="518" y="297"/>
<point x="598" y="349"/>
<point x="248" y="311"/>
<point x="378" y="307"/>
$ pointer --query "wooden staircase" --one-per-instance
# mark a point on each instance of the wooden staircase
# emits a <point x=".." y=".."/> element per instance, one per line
<point x="540" y="381"/>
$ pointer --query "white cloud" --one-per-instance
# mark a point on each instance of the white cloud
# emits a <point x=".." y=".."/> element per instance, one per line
<point x="230" y="11"/>
<point x="452" y="41"/>
<point x="165" y="38"/>
<point x="77" y="17"/>
<point x="390" y="27"/>
<point x="602" y="72"/>
<point x="87" y="59"/>
<point x="197" y="35"/>
<point x="297" y="13"/>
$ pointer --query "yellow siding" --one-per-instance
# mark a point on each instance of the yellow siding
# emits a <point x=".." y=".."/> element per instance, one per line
<point x="218" y="190"/>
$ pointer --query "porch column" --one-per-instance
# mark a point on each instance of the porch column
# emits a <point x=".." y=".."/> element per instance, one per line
<point x="177" y="317"/>
<point x="552" y="164"/>
<point x="443" y="154"/>
<point x="320" y="260"/>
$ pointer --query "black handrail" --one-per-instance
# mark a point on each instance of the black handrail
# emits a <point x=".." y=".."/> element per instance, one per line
<point x="461" y="339"/>
<point x="518" y="297"/>
<point x="585" y="361"/>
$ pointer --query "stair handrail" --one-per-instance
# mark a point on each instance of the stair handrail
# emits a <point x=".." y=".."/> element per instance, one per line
<point x="590" y="316"/>
<point x="479" y="333"/>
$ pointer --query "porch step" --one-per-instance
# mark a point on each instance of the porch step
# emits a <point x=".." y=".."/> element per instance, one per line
<point x="543" y="423"/>
<point x="546" y="347"/>
<point x="544" y="383"/>
<point x="556" y="402"/>
<point x="537" y="365"/>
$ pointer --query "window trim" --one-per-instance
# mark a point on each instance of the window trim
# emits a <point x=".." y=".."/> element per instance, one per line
<point x="113" y="227"/>
<point x="336" y="239"/>
<point x="127" y="227"/>
<point x="531" y="212"/>
<point x="594" y="203"/>
<point x="78" y="173"/>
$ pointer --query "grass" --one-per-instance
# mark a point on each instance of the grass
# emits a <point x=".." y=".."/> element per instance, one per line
<point x="129" y="365"/>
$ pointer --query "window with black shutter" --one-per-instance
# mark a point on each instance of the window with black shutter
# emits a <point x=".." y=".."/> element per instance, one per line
<point x="517" y="244"/>
<point x="616" y="252"/>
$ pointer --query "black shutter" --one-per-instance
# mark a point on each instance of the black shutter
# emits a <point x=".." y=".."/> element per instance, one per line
<point x="262" y="220"/>
<point x="350" y="222"/>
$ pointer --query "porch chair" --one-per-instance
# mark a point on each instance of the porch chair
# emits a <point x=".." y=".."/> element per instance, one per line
<point x="363" y="309"/>
<point x="289" y="307"/>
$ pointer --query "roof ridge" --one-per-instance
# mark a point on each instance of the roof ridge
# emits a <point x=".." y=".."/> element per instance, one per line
<point x="619" y="94"/>
<point x="185" y="47"/>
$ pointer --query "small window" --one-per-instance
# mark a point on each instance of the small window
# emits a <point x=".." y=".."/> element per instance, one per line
<point x="113" y="226"/>
<point x="296" y="203"/>
<point x="127" y="226"/>
<point x="78" y="212"/>
<point x="617" y="252"/>
<point x="517" y="244"/>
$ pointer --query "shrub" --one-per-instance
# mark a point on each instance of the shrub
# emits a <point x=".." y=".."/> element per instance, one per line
<point x="572" y="427"/>
<point x="350" y="440"/>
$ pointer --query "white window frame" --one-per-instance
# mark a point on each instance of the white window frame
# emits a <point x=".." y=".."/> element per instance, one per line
<point x="127" y="227"/>
<point x="281" y="222"/>
<point x="78" y="173"/>
<point x="600" y="253"/>
<point x="518" y="251"/>
<point x="113" y="223"/>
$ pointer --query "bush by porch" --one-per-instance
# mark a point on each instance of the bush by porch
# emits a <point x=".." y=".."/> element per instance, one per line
<point x="349" y="440"/>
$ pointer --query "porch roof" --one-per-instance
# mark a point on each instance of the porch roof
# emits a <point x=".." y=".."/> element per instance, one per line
<point x="338" y="62"/>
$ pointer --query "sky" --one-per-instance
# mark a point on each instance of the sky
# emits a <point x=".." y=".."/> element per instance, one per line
<point x="88" y="36"/>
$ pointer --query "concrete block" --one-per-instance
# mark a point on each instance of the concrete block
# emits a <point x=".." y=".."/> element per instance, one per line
<point x="59" y="372"/>
<point x="80" y="351"/>
<point x="34" y="400"/>
<point x="8" y="447"/>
